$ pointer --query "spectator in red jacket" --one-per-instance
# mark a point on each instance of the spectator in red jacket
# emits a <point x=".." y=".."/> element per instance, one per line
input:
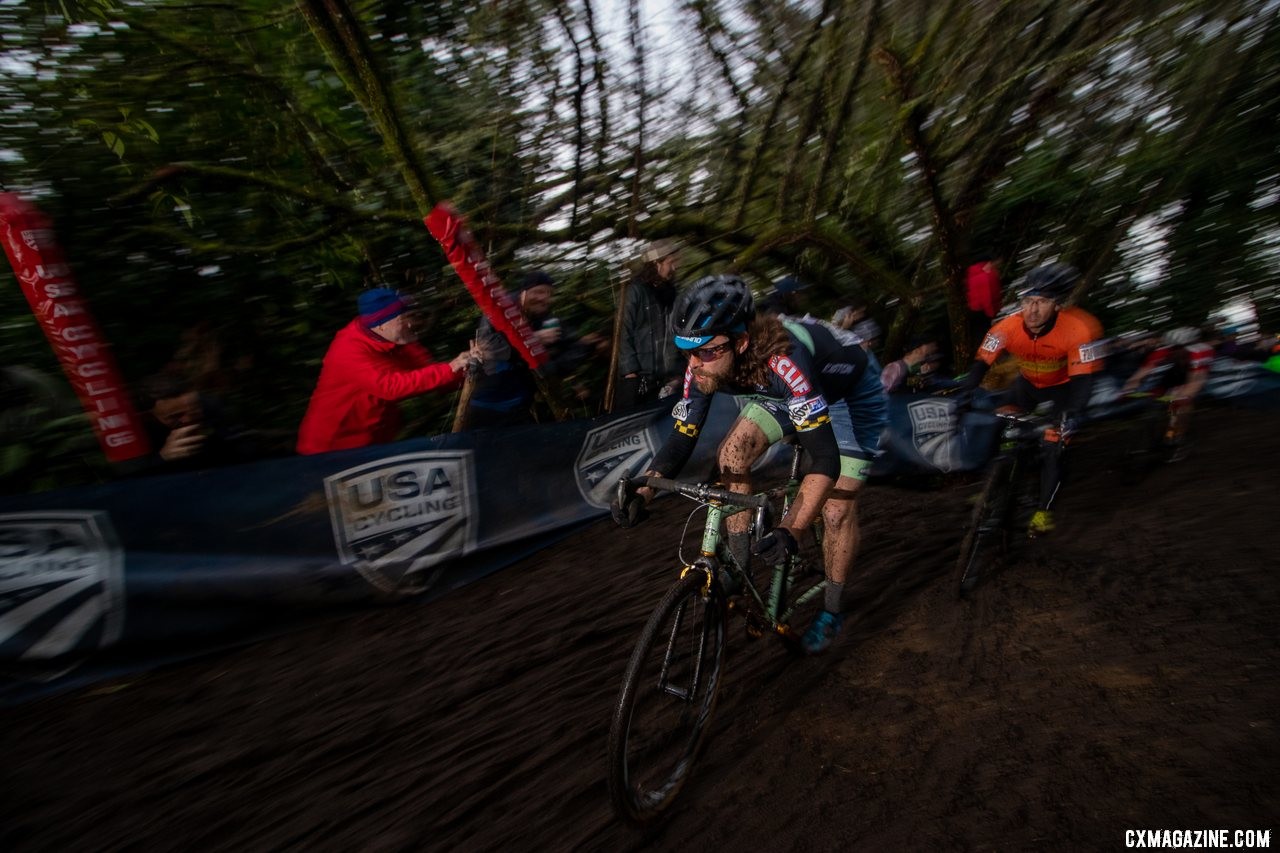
<point x="983" y="296"/>
<point x="373" y="361"/>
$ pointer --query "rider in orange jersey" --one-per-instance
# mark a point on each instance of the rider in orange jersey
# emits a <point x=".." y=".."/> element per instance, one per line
<point x="1058" y="350"/>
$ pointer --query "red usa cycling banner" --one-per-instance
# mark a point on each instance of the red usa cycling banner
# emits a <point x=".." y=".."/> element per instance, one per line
<point x="64" y="318"/>
<point x="448" y="227"/>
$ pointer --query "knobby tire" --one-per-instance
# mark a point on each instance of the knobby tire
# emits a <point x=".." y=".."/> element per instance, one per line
<point x="987" y="528"/>
<point x="656" y="733"/>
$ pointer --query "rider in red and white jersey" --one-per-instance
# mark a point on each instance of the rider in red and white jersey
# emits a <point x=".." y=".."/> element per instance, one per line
<point x="1178" y="370"/>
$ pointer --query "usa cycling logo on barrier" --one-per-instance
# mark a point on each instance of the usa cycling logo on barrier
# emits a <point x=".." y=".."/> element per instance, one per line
<point x="395" y="518"/>
<point x="609" y="453"/>
<point x="61" y="584"/>
<point x="933" y="432"/>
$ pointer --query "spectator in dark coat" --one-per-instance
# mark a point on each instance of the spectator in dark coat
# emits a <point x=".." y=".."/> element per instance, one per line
<point x="505" y="386"/>
<point x="649" y="366"/>
<point x="189" y="430"/>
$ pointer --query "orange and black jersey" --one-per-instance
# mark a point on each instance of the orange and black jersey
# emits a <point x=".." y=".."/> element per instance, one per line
<point x="1071" y="345"/>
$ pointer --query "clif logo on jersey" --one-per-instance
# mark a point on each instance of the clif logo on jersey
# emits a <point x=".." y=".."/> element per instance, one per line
<point x="933" y="432"/>
<point x="790" y="374"/>
<point x="393" y="519"/>
<point x="61" y="584"/>
<point x="620" y="448"/>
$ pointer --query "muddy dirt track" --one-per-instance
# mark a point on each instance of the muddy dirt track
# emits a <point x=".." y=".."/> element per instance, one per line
<point x="1125" y="675"/>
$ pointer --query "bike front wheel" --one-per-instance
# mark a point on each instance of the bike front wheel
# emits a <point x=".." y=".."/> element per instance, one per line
<point x="985" y="540"/>
<point x="667" y="698"/>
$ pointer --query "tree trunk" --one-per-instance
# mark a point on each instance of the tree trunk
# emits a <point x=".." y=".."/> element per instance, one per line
<point x="611" y="388"/>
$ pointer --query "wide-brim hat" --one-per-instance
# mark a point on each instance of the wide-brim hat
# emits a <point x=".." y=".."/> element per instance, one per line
<point x="659" y="249"/>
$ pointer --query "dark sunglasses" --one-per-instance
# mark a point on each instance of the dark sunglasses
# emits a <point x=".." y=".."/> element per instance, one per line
<point x="709" y="354"/>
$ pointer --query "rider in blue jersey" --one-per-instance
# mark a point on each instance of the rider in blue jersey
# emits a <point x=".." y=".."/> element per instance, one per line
<point x="805" y="378"/>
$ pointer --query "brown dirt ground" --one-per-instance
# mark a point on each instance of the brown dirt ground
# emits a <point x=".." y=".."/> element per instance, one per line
<point x="1123" y="675"/>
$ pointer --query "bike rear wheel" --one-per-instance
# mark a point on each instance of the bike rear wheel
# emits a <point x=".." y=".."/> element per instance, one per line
<point x="985" y="541"/>
<point x="667" y="698"/>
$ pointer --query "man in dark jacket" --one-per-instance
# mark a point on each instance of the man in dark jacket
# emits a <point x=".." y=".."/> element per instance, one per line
<point x="374" y="361"/>
<point x="505" y="389"/>
<point x="189" y="430"/>
<point x="649" y="365"/>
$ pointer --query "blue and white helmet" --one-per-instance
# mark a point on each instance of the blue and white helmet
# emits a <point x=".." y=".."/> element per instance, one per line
<point x="714" y="305"/>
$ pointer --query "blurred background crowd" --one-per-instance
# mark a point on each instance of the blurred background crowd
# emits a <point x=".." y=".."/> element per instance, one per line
<point x="894" y="167"/>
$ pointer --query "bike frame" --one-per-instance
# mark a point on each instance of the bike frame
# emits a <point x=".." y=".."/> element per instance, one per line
<point x="683" y="645"/>
<point x="1018" y="450"/>
<point x="722" y="504"/>
<point x="1020" y="438"/>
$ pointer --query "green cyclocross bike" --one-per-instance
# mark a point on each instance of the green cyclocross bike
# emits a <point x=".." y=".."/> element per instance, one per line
<point x="670" y="684"/>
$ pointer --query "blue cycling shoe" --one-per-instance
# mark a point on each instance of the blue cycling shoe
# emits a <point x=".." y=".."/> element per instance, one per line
<point x="822" y="632"/>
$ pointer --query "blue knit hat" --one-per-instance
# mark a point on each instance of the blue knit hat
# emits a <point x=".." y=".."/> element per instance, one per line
<point x="379" y="305"/>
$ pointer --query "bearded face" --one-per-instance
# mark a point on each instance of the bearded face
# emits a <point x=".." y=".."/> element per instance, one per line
<point x="712" y="363"/>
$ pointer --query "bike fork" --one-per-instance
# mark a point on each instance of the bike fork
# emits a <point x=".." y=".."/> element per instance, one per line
<point x="665" y="684"/>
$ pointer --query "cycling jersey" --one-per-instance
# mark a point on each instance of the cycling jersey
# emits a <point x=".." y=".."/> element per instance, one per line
<point x="1172" y="367"/>
<point x="1070" y="345"/>
<point x="824" y="364"/>
<point x="1191" y="358"/>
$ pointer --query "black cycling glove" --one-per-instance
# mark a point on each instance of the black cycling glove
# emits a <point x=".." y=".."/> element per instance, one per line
<point x="970" y="380"/>
<point x="776" y="546"/>
<point x="627" y="509"/>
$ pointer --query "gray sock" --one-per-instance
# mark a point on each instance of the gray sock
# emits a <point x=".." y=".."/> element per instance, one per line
<point x="832" y="595"/>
